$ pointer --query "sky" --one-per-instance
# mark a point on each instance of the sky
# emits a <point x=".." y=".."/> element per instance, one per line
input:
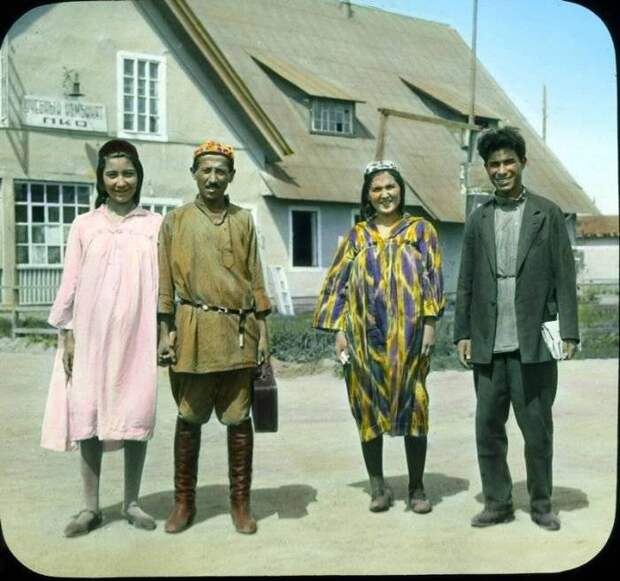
<point x="524" y="44"/>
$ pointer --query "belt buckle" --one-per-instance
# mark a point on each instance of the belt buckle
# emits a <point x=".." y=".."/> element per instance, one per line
<point x="204" y="307"/>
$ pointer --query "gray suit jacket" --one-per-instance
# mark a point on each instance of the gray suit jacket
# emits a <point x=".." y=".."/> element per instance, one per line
<point x="545" y="286"/>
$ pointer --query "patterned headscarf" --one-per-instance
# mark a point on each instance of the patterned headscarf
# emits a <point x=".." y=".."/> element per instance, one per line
<point x="379" y="165"/>
<point x="215" y="147"/>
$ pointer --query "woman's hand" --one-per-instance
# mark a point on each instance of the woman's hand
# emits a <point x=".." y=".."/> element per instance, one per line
<point x="165" y="350"/>
<point x="67" y="358"/>
<point x="342" y="347"/>
<point x="428" y="338"/>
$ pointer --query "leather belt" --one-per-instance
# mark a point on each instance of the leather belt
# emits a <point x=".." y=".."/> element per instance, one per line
<point x="242" y="313"/>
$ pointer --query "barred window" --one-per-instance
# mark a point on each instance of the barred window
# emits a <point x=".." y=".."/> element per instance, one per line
<point x="141" y="95"/>
<point x="44" y="212"/>
<point x="160" y="205"/>
<point x="333" y="117"/>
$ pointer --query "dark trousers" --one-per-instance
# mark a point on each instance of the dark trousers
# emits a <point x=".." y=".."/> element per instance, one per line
<point x="531" y="388"/>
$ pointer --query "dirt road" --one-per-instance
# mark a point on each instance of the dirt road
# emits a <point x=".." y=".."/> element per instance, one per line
<point x="309" y="489"/>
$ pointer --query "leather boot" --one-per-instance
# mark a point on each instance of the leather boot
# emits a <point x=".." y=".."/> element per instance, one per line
<point x="240" y="447"/>
<point x="186" y="451"/>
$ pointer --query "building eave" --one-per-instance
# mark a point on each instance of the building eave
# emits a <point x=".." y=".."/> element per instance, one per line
<point x="233" y="82"/>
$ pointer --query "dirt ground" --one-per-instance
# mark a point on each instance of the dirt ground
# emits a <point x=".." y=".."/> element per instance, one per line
<point x="309" y="491"/>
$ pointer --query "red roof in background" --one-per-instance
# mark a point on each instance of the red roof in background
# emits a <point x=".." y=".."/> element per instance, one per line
<point x="597" y="226"/>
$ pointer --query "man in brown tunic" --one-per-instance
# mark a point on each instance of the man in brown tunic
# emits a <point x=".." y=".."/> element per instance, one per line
<point x="213" y="332"/>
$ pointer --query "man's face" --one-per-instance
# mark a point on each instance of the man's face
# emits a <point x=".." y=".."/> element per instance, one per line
<point x="504" y="169"/>
<point x="212" y="175"/>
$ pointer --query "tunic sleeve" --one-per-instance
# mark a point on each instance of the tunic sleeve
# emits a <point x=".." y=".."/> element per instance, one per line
<point x="61" y="313"/>
<point x="433" y="297"/>
<point x="331" y="309"/>
<point x="166" y="285"/>
<point x="255" y="268"/>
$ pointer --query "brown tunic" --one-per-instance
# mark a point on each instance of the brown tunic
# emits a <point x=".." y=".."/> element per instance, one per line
<point x="211" y="259"/>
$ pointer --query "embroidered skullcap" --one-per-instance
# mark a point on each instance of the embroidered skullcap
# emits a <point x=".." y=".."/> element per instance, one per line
<point x="379" y="165"/>
<point x="118" y="146"/>
<point x="216" y="147"/>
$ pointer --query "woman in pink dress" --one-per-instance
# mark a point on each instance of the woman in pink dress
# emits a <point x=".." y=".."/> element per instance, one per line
<point x="103" y="387"/>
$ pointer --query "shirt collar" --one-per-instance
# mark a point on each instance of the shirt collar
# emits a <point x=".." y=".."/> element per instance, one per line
<point x="215" y="217"/>
<point x="502" y="201"/>
<point x="137" y="211"/>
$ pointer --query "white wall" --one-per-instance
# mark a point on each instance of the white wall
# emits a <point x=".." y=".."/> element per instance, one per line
<point x="599" y="263"/>
<point x="46" y="39"/>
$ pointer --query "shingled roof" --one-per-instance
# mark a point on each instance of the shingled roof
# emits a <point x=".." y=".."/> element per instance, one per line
<point x="598" y="226"/>
<point x="288" y="51"/>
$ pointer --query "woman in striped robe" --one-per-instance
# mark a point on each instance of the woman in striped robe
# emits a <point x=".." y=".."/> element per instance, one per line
<point x="382" y="296"/>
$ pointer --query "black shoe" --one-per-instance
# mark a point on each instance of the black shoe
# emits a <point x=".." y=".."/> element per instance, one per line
<point x="547" y="521"/>
<point x="489" y="517"/>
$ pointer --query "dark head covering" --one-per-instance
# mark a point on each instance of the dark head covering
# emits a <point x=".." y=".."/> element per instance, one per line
<point x="117" y="148"/>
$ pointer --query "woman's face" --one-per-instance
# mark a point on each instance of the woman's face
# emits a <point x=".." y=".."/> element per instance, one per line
<point x="120" y="179"/>
<point x="384" y="195"/>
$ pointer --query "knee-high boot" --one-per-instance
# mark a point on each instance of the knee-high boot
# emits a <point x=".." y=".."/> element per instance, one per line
<point x="240" y="448"/>
<point x="186" y="451"/>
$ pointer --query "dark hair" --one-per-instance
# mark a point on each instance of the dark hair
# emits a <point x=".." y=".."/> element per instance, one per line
<point x="231" y="161"/>
<point x="367" y="211"/>
<point x="491" y="140"/>
<point x="113" y="149"/>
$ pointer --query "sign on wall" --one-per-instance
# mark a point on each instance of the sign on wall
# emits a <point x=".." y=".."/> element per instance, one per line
<point x="73" y="115"/>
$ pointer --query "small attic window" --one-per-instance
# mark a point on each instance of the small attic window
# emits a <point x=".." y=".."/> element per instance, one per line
<point x="332" y="117"/>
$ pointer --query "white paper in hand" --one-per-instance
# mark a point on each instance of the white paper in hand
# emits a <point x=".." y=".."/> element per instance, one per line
<point x="553" y="341"/>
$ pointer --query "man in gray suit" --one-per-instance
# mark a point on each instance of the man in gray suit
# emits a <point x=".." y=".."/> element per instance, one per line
<point x="517" y="271"/>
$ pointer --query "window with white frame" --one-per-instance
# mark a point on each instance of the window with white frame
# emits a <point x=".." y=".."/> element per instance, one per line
<point x="3" y="87"/>
<point x="333" y="117"/>
<point x="44" y="212"/>
<point x="141" y="96"/>
<point x="304" y="237"/>
<point x="160" y="205"/>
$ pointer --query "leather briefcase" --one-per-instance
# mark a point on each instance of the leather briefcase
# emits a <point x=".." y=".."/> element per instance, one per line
<point x="265" y="400"/>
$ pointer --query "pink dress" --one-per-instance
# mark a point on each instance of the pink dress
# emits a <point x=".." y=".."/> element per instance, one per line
<point x="108" y="296"/>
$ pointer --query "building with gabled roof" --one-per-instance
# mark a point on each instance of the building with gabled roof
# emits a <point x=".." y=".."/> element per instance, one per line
<point x="298" y="88"/>
<point x="597" y="248"/>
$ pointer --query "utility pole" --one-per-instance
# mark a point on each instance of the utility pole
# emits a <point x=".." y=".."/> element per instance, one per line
<point x="472" y="83"/>
<point x="471" y="135"/>
<point x="544" y="114"/>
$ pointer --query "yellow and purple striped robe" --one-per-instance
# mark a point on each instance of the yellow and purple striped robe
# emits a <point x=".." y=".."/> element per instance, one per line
<point x="378" y="292"/>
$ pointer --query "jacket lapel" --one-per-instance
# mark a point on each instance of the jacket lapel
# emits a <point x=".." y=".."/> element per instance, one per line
<point x="488" y="234"/>
<point x="530" y="225"/>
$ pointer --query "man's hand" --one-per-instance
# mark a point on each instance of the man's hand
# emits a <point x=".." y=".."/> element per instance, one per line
<point x="263" y="349"/>
<point x="165" y="350"/>
<point x="463" y="348"/>
<point x="569" y="347"/>
<point x="428" y="338"/>
<point x="263" y="340"/>
<point x="67" y="358"/>
<point x="342" y="346"/>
